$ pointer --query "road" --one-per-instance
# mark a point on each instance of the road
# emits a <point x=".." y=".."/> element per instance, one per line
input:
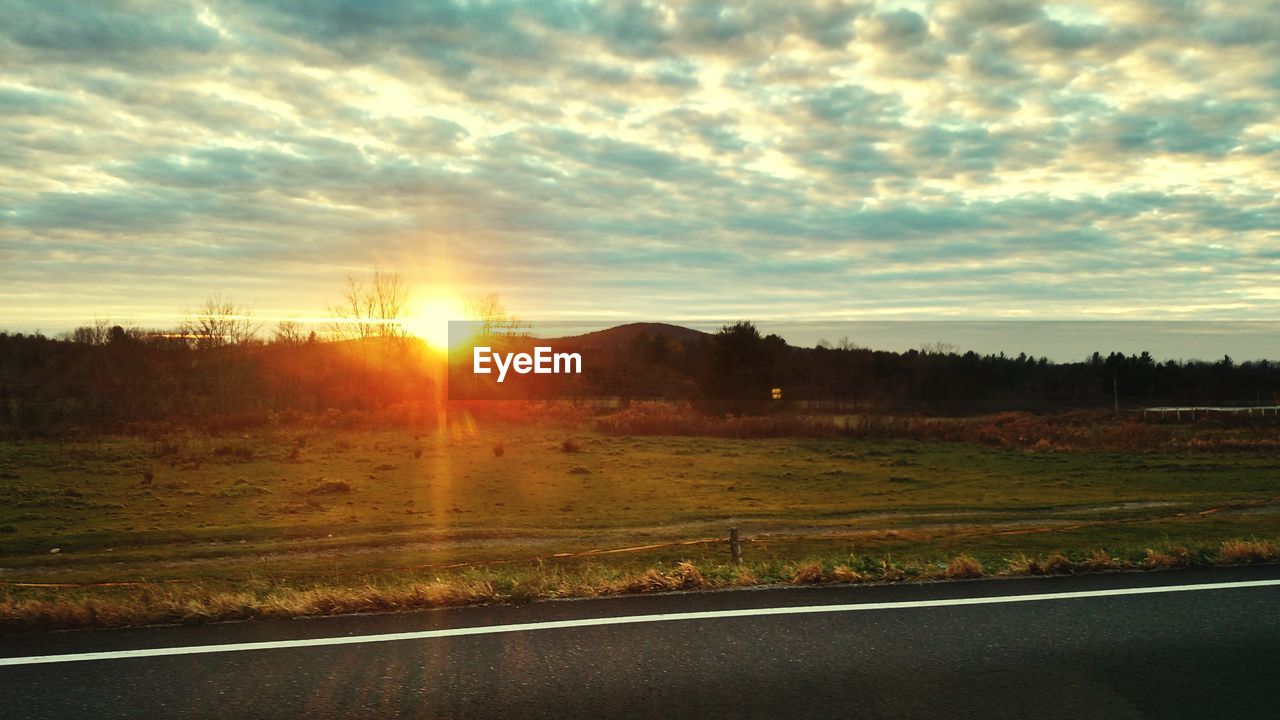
<point x="1155" y="645"/>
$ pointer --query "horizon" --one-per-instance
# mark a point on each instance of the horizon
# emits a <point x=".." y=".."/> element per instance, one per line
<point x="1059" y="341"/>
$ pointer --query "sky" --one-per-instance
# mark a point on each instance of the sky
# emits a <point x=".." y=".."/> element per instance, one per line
<point x="1060" y="341"/>
<point x="778" y="161"/>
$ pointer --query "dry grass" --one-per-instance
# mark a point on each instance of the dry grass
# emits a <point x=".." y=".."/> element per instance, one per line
<point x="1057" y="564"/>
<point x="1053" y="564"/>
<point x="159" y="604"/>
<point x="330" y="487"/>
<point x="963" y="566"/>
<point x="1235" y="552"/>
<point x="1177" y="556"/>
<point x="1041" y="433"/>
<point x="650" y="580"/>
<point x="1101" y="561"/>
<point x="893" y="574"/>
<point x="812" y="573"/>
<point x="669" y="419"/>
<point x="843" y="574"/>
<point x="195" y="603"/>
<point x="341" y="518"/>
<point x="807" y="574"/>
<point x="85" y="497"/>
<point x="685" y="576"/>
<point x="688" y="577"/>
<point x="1023" y="565"/>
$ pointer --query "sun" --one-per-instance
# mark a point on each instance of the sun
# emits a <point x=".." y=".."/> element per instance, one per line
<point x="429" y="319"/>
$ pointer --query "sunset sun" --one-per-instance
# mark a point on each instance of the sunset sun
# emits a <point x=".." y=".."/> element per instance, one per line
<point x="429" y="319"/>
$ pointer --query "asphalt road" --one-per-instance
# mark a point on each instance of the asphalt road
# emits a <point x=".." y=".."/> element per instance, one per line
<point x="1197" y="653"/>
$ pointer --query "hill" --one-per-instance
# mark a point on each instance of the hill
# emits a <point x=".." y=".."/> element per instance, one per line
<point x="622" y="335"/>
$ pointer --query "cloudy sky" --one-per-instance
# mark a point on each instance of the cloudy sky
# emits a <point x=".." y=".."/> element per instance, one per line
<point x="643" y="160"/>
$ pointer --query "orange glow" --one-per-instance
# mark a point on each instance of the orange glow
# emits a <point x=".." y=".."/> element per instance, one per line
<point x="430" y="319"/>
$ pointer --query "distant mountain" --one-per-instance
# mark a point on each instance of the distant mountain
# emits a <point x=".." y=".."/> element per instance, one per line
<point x="621" y="335"/>
<point x="608" y="340"/>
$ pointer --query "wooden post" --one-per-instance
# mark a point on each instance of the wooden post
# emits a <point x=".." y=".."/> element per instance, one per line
<point x="735" y="548"/>
<point x="1115" y="394"/>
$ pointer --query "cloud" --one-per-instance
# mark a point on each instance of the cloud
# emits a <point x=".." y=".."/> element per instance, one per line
<point x="899" y="28"/>
<point x="131" y="35"/>
<point x="757" y="158"/>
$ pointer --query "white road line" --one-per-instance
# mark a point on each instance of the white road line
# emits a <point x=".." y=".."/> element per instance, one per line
<point x="623" y="620"/>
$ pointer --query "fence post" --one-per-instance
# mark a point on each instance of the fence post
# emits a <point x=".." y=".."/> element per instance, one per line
<point x="735" y="547"/>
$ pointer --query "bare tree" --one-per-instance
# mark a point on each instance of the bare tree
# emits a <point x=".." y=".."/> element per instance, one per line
<point x="371" y="308"/>
<point x="98" y="333"/>
<point x="491" y="318"/>
<point x="219" y="322"/>
<point x="289" y="332"/>
<point x="940" y="348"/>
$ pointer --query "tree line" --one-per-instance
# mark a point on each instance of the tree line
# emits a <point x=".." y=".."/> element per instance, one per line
<point x="219" y="366"/>
<point x="216" y="370"/>
<point x="739" y="370"/>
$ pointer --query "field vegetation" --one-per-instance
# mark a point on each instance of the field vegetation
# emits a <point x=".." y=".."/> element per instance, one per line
<point x="337" y="514"/>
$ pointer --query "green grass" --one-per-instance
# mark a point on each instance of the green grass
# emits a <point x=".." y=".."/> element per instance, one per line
<point x="297" y="510"/>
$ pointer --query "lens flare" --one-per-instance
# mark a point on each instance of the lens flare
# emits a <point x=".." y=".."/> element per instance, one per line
<point x="430" y="320"/>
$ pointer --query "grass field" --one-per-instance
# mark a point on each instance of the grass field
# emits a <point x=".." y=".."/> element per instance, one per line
<point x="286" y="521"/>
